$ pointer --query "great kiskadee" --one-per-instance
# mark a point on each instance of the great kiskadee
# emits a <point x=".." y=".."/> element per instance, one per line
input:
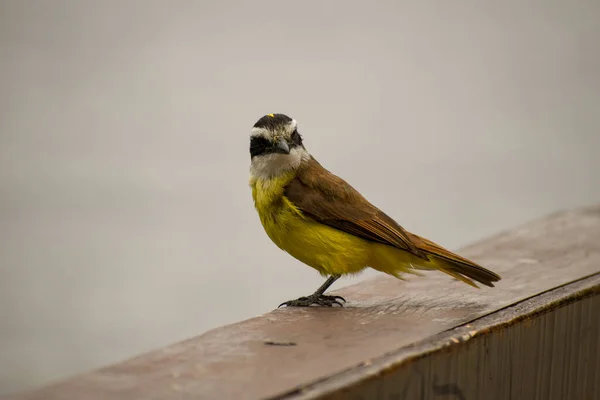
<point x="324" y="222"/>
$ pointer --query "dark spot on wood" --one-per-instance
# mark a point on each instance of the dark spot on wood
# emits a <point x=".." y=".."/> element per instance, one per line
<point x="447" y="389"/>
<point x="274" y="343"/>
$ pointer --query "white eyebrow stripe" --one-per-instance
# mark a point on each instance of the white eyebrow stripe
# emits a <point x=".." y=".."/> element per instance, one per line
<point x="260" y="132"/>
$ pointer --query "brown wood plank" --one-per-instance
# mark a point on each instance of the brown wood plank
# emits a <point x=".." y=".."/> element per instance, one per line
<point x="545" y="347"/>
<point x="382" y="315"/>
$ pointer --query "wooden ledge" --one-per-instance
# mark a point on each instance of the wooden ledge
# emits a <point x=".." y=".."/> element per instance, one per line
<point x="386" y="324"/>
<point x="519" y="352"/>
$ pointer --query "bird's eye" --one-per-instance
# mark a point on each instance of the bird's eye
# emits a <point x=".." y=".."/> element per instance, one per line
<point x="296" y="138"/>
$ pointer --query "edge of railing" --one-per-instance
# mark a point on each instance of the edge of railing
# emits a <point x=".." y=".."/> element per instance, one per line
<point x="386" y="330"/>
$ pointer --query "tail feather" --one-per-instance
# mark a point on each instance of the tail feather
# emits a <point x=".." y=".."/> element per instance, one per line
<point x="454" y="265"/>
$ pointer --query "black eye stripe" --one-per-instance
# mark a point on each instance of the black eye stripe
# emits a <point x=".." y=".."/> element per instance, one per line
<point x="296" y="138"/>
<point x="261" y="145"/>
<point x="258" y="145"/>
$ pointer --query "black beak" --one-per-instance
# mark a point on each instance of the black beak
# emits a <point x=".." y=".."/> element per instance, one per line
<point x="282" y="147"/>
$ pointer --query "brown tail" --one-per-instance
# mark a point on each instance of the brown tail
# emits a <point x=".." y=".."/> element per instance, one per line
<point x="455" y="265"/>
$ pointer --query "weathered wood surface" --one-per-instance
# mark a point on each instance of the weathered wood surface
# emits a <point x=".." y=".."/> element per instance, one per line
<point x="544" y="348"/>
<point x="290" y="349"/>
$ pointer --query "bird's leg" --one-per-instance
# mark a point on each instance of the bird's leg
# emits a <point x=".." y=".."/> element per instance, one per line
<point x="317" y="297"/>
<point x="326" y="285"/>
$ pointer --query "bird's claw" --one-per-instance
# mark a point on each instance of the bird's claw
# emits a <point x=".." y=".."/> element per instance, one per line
<point x="320" y="300"/>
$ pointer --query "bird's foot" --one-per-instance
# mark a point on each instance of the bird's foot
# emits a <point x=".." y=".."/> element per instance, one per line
<point x="320" y="300"/>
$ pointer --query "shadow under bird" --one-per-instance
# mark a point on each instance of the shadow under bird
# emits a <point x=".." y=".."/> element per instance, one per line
<point x="324" y="222"/>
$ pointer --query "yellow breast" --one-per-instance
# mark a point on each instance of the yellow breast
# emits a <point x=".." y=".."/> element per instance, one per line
<point x="328" y="250"/>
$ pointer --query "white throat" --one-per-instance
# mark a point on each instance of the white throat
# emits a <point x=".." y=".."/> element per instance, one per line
<point x="270" y="166"/>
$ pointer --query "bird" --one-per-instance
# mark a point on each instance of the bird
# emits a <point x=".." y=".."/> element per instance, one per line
<point x="322" y="221"/>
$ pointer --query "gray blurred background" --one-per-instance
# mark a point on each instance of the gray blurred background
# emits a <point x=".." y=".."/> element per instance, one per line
<point x="126" y="220"/>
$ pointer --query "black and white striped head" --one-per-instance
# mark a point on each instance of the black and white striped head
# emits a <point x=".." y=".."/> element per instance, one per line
<point x="275" y="146"/>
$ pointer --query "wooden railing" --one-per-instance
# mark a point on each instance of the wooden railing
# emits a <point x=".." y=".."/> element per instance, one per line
<point x="536" y="335"/>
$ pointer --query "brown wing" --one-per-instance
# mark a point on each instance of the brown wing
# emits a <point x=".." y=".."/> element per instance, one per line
<point x="330" y="200"/>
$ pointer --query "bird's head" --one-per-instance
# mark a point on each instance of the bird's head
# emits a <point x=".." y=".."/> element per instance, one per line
<point x="275" y="146"/>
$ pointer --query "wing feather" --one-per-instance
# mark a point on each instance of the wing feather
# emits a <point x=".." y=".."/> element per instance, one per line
<point x="462" y="265"/>
<point x="330" y="200"/>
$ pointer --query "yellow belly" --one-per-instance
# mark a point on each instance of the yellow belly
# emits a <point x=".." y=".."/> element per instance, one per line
<point x="328" y="250"/>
